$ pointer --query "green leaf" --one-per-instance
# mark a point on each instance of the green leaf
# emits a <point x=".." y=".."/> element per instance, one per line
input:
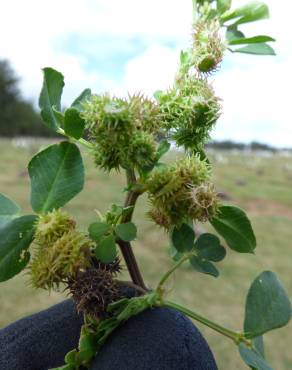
<point x="223" y="5"/>
<point x="233" y="224"/>
<point x="73" y="123"/>
<point x="183" y="238"/>
<point x="234" y="34"/>
<point x="251" y="12"/>
<point x="163" y="148"/>
<point x="251" y="40"/>
<point x="106" y="249"/>
<point x="256" y="49"/>
<point x="204" y="266"/>
<point x="253" y="358"/>
<point x="82" y="98"/>
<point x="126" y="231"/>
<point x="98" y="230"/>
<point x="267" y="305"/>
<point x="50" y="97"/>
<point x="8" y="209"/>
<point x="15" y="238"/>
<point x="258" y="344"/>
<point x="208" y="247"/>
<point x="57" y="175"/>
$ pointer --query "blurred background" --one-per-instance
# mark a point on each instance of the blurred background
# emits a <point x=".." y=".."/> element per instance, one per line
<point x="133" y="46"/>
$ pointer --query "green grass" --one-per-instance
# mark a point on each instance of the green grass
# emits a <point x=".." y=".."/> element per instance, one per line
<point x="262" y="186"/>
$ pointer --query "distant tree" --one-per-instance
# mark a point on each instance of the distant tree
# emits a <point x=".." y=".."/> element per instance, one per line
<point x="17" y="116"/>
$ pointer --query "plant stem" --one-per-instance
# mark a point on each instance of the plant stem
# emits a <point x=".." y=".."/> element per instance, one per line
<point x="125" y="247"/>
<point x="82" y="141"/>
<point x="235" y="336"/>
<point x="169" y="272"/>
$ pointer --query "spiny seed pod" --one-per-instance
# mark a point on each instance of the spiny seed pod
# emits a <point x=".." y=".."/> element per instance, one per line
<point x="141" y="151"/>
<point x="189" y="112"/>
<point x="113" y="267"/>
<point x="51" y="226"/>
<point x="160" y="218"/>
<point x="111" y="114"/>
<point x="170" y="190"/>
<point x="145" y="113"/>
<point x="65" y="257"/>
<point x="208" y="47"/>
<point x="204" y="202"/>
<point x="93" y="290"/>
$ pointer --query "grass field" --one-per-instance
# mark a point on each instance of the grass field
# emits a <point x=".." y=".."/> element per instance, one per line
<point x="260" y="185"/>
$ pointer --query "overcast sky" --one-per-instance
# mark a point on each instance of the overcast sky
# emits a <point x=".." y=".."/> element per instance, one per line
<point x="133" y="45"/>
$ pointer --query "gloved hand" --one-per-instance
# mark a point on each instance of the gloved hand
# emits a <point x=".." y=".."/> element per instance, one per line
<point x="157" y="339"/>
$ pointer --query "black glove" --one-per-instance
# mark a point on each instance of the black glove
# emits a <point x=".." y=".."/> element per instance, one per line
<point x="157" y="339"/>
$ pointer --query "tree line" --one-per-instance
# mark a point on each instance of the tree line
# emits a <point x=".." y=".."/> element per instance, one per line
<point x="18" y="117"/>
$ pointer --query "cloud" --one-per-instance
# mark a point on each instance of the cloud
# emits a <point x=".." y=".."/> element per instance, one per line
<point x="119" y="46"/>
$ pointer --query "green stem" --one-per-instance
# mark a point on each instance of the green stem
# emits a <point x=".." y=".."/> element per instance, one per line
<point x="82" y="141"/>
<point x="169" y="272"/>
<point x="235" y="336"/>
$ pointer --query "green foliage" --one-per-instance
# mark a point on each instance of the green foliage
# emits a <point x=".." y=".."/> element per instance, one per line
<point x="232" y="223"/>
<point x="251" y="40"/>
<point x="73" y="123"/>
<point x="79" y="102"/>
<point x="267" y="306"/>
<point x="258" y="49"/>
<point x="57" y="175"/>
<point x="253" y="358"/>
<point x="8" y="209"/>
<point x="183" y="238"/>
<point x="204" y="266"/>
<point x="208" y="247"/>
<point x="106" y="249"/>
<point x="98" y="229"/>
<point x="50" y="97"/>
<point x="251" y="12"/>
<point x="126" y="231"/>
<point x="223" y="5"/>
<point x="15" y="239"/>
